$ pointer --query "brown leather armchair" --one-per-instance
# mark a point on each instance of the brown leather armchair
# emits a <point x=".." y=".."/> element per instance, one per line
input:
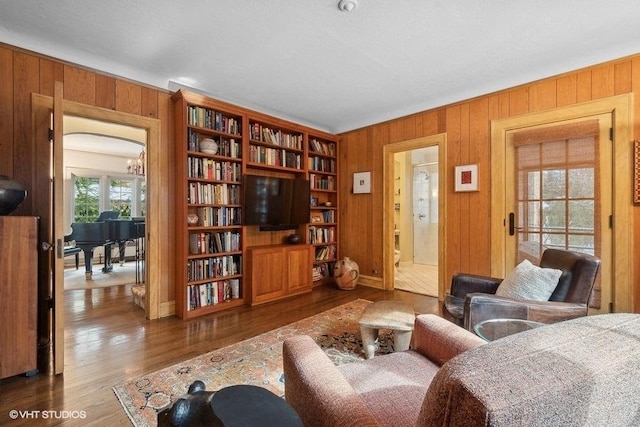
<point x="472" y="298"/>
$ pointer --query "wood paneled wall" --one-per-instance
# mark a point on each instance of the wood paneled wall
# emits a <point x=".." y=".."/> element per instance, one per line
<point x="467" y="125"/>
<point x="23" y="73"/>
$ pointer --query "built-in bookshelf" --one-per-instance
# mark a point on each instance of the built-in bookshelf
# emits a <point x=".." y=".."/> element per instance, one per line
<point x="323" y="227"/>
<point x="221" y="262"/>
<point x="274" y="147"/>
<point x="209" y="229"/>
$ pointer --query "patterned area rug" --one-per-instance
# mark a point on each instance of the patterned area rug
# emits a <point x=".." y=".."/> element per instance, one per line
<point x="256" y="361"/>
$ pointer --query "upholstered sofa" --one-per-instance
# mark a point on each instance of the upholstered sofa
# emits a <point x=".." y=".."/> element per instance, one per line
<point x="582" y="372"/>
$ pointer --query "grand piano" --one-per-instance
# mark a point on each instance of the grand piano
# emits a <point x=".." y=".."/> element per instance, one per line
<point x="106" y="231"/>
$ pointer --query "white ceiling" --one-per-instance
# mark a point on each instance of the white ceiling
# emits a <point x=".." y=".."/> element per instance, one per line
<point x="93" y="136"/>
<point x="307" y="61"/>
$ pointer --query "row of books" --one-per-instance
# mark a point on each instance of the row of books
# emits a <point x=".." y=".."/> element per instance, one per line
<point x="328" y="216"/>
<point x="326" y="253"/>
<point x="213" y="216"/>
<point x="326" y="148"/>
<point x="321" y="234"/>
<point x="275" y="157"/>
<point x="322" y="271"/>
<point x="274" y="136"/>
<point x="213" y="267"/>
<point x="227" y="147"/>
<point x="214" y="194"/>
<point x="211" y="119"/>
<point x="212" y="293"/>
<point x="322" y="182"/>
<point x="322" y="164"/>
<point x="203" y="168"/>
<point x="214" y="242"/>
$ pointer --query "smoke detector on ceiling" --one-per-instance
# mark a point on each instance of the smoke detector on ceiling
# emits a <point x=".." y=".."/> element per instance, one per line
<point x="347" y="5"/>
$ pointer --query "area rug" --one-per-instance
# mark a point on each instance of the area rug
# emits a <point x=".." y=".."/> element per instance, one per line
<point x="120" y="275"/>
<point x="255" y="361"/>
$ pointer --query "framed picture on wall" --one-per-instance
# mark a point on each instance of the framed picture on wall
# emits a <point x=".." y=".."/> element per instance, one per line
<point x="466" y="178"/>
<point x="362" y="182"/>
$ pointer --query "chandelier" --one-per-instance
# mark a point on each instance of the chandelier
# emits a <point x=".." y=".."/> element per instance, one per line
<point x="136" y="166"/>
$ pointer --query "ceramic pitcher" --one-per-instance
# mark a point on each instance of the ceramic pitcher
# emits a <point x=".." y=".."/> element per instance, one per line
<point x="346" y="273"/>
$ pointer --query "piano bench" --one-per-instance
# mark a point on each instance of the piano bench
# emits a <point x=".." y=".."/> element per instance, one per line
<point x="72" y="250"/>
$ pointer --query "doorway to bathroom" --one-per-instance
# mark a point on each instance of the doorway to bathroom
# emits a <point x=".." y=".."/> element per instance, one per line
<point x="416" y="205"/>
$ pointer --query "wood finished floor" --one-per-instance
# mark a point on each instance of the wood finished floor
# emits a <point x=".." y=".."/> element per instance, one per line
<point x="108" y="341"/>
<point x="417" y="278"/>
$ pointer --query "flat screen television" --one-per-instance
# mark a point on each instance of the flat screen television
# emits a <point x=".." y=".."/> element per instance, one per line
<point x="275" y="203"/>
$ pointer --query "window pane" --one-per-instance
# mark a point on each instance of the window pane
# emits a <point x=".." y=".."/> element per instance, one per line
<point x="581" y="216"/>
<point x="533" y="216"/>
<point x="120" y="196"/>
<point x="533" y="184"/>
<point x="143" y="197"/>
<point x="86" y="195"/>
<point x="553" y="216"/>
<point x="581" y="183"/>
<point x="553" y="184"/>
<point x="557" y="241"/>
<point x="582" y="244"/>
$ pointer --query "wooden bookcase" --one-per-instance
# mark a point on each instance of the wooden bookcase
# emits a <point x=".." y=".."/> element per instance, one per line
<point x="323" y="226"/>
<point x="216" y="145"/>
<point x="208" y="159"/>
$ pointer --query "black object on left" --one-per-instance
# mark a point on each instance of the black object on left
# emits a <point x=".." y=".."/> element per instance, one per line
<point x="12" y="193"/>
<point x="237" y="405"/>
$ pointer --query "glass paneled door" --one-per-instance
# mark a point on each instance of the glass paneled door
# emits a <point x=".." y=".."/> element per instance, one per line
<point x="425" y="213"/>
<point x="558" y="194"/>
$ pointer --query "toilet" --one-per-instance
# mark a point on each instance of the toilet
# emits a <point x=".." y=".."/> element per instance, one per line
<point x="396" y="257"/>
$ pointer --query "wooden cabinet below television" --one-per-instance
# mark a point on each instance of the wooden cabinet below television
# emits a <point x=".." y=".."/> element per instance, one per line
<point x="18" y="295"/>
<point x="279" y="271"/>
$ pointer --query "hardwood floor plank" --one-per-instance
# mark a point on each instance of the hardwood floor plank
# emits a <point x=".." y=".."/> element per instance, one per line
<point x="108" y="341"/>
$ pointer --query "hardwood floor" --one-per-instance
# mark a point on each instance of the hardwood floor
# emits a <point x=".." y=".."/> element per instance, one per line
<point x="417" y="278"/>
<point x="108" y="341"/>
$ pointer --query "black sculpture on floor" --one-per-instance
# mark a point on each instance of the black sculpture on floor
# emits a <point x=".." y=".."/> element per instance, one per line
<point x="193" y="409"/>
<point x="236" y="405"/>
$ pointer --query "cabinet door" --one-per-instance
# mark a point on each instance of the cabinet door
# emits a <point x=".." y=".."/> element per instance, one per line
<point x="18" y="294"/>
<point x="298" y="269"/>
<point x="267" y="274"/>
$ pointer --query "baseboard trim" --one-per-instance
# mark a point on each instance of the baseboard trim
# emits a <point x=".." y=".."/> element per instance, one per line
<point x="374" y="282"/>
<point x="167" y="309"/>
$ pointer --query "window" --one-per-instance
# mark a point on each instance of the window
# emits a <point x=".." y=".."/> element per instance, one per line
<point x="557" y="195"/>
<point x="120" y="193"/>
<point x="95" y="194"/>
<point x="87" y="199"/>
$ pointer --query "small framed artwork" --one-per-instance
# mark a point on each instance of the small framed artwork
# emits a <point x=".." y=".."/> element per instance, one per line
<point x="362" y="182"/>
<point x="316" y="218"/>
<point x="636" y="172"/>
<point x="466" y="178"/>
<point x="314" y="201"/>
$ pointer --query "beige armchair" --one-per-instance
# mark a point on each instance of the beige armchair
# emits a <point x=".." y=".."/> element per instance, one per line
<point x="583" y="372"/>
<point x="358" y="394"/>
<point x="472" y="298"/>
